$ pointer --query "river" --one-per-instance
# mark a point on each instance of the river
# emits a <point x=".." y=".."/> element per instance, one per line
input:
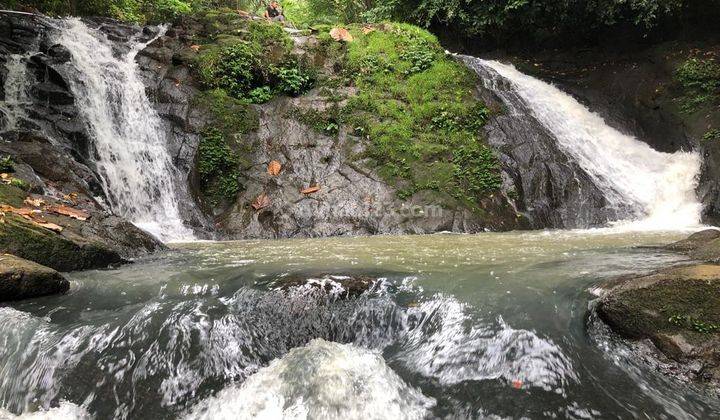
<point x="457" y="326"/>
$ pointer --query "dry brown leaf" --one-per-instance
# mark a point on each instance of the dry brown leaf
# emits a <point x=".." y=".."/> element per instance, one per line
<point x="48" y="225"/>
<point x="70" y="212"/>
<point x="4" y="175"/>
<point x="366" y="30"/>
<point x="311" y="190"/>
<point x="261" y="202"/>
<point x="35" y="202"/>
<point x="341" y="34"/>
<point x="274" y="168"/>
<point x="195" y="48"/>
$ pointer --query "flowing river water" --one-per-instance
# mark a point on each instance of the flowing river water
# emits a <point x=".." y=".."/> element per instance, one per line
<point x="459" y="326"/>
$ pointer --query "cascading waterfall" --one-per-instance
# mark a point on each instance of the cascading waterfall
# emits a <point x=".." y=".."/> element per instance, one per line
<point x="16" y="97"/>
<point x="131" y="155"/>
<point x="658" y="187"/>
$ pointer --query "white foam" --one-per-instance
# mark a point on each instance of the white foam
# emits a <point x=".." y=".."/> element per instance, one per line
<point x="127" y="133"/>
<point x="322" y="380"/>
<point x="659" y="186"/>
<point x="65" y="411"/>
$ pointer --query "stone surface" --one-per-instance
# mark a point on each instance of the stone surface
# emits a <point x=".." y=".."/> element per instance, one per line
<point x="670" y="307"/>
<point x="22" y="279"/>
<point x="695" y="241"/>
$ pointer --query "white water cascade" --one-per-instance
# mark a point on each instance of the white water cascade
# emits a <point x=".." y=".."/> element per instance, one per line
<point x="130" y="145"/>
<point x="16" y="97"/>
<point x="660" y="187"/>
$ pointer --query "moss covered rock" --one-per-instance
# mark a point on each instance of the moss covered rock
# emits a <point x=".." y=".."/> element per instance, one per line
<point x="22" y="279"/>
<point x="678" y="309"/>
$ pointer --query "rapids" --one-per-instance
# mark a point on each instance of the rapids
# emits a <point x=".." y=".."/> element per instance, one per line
<point x="456" y="326"/>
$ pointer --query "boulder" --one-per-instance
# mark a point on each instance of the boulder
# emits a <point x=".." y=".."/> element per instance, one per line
<point x="678" y="309"/>
<point x="339" y="285"/>
<point x="695" y="241"/>
<point x="23" y="279"/>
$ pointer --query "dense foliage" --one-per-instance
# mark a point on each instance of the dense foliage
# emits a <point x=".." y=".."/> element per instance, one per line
<point x="526" y="20"/>
<point x="700" y="79"/>
<point x="418" y="110"/>
<point x="222" y="150"/>
<point x="254" y="66"/>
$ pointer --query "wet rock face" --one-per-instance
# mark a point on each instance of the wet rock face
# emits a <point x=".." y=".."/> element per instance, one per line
<point x="52" y="155"/>
<point x="552" y="189"/>
<point x="22" y="279"/>
<point x="678" y="309"/>
<point x="351" y="200"/>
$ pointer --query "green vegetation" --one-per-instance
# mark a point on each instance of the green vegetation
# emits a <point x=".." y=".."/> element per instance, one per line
<point x="418" y="110"/>
<point x="6" y="164"/>
<point x="254" y="65"/>
<point x="222" y="147"/>
<point x="687" y="321"/>
<point x="700" y="80"/>
<point x="12" y="195"/>
<point x="712" y="134"/>
<point x="217" y="166"/>
<point x="19" y="183"/>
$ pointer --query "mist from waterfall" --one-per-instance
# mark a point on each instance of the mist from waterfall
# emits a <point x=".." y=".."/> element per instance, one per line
<point x="659" y="188"/>
<point x="128" y="139"/>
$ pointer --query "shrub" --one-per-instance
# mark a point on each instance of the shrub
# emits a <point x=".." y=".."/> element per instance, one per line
<point x="217" y="165"/>
<point x="6" y="164"/>
<point x="700" y="80"/>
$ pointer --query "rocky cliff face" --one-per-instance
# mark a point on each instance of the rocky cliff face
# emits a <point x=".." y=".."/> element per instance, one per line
<point x="635" y="88"/>
<point x="48" y="162"/>
<point x="352" y="198"/>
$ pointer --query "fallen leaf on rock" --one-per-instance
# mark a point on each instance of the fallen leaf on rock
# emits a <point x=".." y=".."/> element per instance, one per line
<point x="261" y="202"/>
<point x="35" y="202"/>
<point x="341" y="34"/>
<point x="48" y="225"/>
<point x="4" y="175"/>
<point x="311" y="190"/>
<point x="70" y="212"/>
<point x="274" y="168"/>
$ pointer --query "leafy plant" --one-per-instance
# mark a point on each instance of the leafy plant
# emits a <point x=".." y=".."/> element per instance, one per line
<point x="217" y="165"/>
<point x="700" y="80"/>
<point x="7" y="164"/>
<point x="260" y="95"/>
<point x="294" y="80"/>
<point x="687" y="321"/>
<point x="712" y="134"/>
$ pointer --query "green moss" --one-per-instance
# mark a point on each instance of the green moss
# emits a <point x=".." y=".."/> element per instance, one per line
<point x="418" y="109"/>
<point x="19" y="237"/>
<point x="12" y="195"/>
<point x="700" y="81"/>
<point x="229" y="115"/>
<point x="326" y="122"/>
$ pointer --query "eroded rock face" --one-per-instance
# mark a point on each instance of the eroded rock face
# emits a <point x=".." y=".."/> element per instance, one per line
<point x="22" y="279"/>
<point x="678" y="309"/>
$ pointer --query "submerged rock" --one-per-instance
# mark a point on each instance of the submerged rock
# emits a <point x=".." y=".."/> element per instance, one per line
<point x="340" y="285"/>
<point x="678" y="309"/>
<point x="23" y="279"/>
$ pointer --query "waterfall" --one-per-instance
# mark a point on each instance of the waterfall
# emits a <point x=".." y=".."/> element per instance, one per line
<point x="659" y="188"/>
<point x="129" y="142"/>
<point x="15" y="87"/>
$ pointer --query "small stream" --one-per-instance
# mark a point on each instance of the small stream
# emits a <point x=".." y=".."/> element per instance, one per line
<point x="457" y="326"/>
